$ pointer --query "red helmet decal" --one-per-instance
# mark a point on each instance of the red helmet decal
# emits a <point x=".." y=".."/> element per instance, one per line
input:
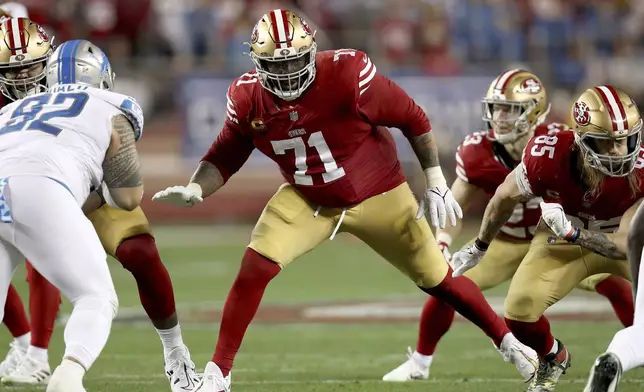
<point x="306" y="27"/>
<point x="254" y="37"/>
<point x="530" y="86"/>
<point x="41" y="32"/>
<point x="581" y="113"/>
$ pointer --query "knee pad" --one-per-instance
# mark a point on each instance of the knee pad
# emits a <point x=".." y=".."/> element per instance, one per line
<point x="106" y="303"/>
<point x="137" y="253"/>
<point x="521" y="307"/>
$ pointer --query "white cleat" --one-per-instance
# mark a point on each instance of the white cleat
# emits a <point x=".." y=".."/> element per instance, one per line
<point x="213" y="380"/>
<point x="65" y="379"/>
<point x="11" y="362"/>
<point x="605" y="374"/>
<point x="29" y="372"/>
<point x="523" y="357"/>
<point x="412" y="369"/>
<point x="180" y="370"/>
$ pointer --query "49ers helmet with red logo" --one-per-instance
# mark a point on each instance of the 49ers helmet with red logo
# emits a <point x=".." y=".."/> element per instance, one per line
<point x="607" y="113"/>
<point x="283" y="48"/>
<point x="23" y="45"/>
<point x="527" y="102"/>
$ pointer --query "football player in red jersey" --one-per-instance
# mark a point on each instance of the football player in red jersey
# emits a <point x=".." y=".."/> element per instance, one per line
<point x="514" y="109"/>
<point x="15" y="83"/>
<point x="321" y="117"/>
<point x="591" y="183"/>
<point x="126" y="235"/>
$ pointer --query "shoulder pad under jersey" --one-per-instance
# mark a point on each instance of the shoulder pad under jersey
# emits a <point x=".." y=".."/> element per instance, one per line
<point x="239" y="97"/>
<point x="127" y="105"/>
<point x="356" y="67"/>
<point x="545" y="157"/>
<point x="470" y="155"/>
<point x="550" y="128"/>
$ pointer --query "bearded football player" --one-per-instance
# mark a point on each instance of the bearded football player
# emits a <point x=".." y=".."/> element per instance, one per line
<point x="126" y="235"/>
<point x="321" y="117"/>
<point x="22" y="66"/>
<point x="514" y="110"/>
<point x="590" y="180"/>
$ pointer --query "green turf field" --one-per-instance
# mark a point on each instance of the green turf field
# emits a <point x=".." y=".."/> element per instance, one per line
<point x="308" y="338"/>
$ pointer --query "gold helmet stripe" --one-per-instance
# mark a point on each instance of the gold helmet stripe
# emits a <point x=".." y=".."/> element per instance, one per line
<point x="279" y="24"/>
<point x="615" y="107"/>
<point x="505" y="78"/>
<point x="16" y="36"/>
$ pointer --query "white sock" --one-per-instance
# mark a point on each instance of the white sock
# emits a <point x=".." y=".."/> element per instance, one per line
<point x="425" y="360"/>
<point x="554" y="348"/>
<point x="37" y="353"/>
<point x="170" y="338"/>
<point x="628" y="346"/>
<point x="24" y="340"/>
<point x="88" y="328"/>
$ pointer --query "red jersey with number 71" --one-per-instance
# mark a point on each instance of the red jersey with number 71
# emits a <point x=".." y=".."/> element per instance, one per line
<point x="331" y="143"/>
<point x="484" y="164"/>
<point x="549" y="170"/>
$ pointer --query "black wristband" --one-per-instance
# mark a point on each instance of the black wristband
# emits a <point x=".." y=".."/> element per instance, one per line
<point x="481" y="245"/>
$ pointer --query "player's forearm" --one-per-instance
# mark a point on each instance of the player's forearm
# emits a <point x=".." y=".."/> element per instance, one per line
<point x="635" y="244"/>
<point x="611" y="245"/>
<point x="208" y="177"/>
<point x="497" y="213"/>
<point x="425" y="149"/>
<point x="127" y="199"/>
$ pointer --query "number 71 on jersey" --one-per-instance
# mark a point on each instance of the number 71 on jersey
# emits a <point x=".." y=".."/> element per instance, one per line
<point x="331" y="170"/>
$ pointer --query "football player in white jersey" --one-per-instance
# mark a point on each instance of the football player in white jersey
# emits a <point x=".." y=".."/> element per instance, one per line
<point x="626" y="350"/>
<point x="54" y="147"/>
<point x="125" y="235"/>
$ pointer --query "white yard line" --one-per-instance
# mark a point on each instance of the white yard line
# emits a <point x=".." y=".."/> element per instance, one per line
<point x="150" y="378"/>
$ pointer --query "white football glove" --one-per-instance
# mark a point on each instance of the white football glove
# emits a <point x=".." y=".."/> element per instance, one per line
<point x="184" y="196"/>
<point x="444" y="248"/>
<point x="553" y="215"/>
<point x="441" y="204"/>
<point x="466" y="259"/>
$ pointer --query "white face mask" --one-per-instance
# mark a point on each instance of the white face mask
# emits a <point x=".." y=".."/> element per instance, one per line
<point x="23" y="81"/>
<point x="613" y="157"/>
<point x="287" y="77"/>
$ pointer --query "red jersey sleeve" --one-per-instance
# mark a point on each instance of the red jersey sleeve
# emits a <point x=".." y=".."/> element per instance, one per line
<point x="381" y="101"/>
<point x="232" y="147"/>
<point x="542" y="159"/>
<point x="468" y="158"/>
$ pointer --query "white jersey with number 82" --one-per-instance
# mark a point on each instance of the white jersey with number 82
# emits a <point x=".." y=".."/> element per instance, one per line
<point x="62" y="134"/>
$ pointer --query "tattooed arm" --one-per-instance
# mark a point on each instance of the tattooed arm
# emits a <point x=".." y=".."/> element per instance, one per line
<point x="501" y="206"/>
<point x="207" y="177"/>
<point x="425" y="149"/>
<point x="122" y="187"/>
<point x="613" y="245"/>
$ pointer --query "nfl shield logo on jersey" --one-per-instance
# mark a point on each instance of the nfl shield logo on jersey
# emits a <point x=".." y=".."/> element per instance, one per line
<point x="293" y="116"/>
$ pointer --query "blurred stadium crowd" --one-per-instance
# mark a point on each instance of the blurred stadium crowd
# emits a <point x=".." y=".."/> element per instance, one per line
<point x="566" y="42"/>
